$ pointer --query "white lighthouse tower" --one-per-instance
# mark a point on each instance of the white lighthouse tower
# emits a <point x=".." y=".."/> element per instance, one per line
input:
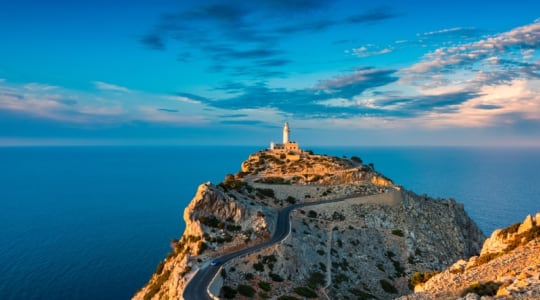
<point x="287" y="145"/>
<point x="286" y="132"/>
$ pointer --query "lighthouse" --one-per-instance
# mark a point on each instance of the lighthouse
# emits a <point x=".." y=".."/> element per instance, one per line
<point x="286" y="132"/>
<point x="287" y="145"/>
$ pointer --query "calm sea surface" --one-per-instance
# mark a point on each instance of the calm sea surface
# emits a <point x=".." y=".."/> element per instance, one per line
<point x="93" y="222"/>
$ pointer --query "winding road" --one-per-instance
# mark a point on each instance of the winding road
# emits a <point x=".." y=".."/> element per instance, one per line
<point x="197" y="287"/>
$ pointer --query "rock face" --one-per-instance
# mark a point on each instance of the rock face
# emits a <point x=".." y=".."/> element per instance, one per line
<point x="365" y="246"/>
<point x="507" y="268"/>
<point x="357" y="244"/>
<point x="218" y="220"/>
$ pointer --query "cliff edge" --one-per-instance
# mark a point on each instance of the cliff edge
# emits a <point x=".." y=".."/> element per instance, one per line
<point x="508" y="268"/>
<point x="354" y="234"/>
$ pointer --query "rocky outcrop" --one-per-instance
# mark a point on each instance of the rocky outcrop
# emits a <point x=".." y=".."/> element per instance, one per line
<point x="218" y="219"/>
<point x="507" y="268"/>
<point x="366" y="246"/>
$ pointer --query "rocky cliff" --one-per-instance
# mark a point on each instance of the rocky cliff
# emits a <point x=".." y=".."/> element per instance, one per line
<point x="507" y="268"/>
<point x="367" y="245"/>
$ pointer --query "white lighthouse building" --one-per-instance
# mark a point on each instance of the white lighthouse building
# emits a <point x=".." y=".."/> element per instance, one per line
<point x="286" y="132"/>
<point x="287" y="145"/>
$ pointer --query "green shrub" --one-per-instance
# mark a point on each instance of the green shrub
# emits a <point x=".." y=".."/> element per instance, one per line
<point x="231" y="183"/>
<point x="258" y="266"/>
<point x="266" y="286"/>
<point x="291" y="200"/>
<point x="285" y="297"/>
<point x="312" y="214"/>
<point x="400" y="271"/>
<point x="321" y="252"/>
<point x="201" y="247"/>
<point x="361" y="295"/>
<point x="316" y="279"/>
<point x="306" y="292"/>
<point x="275" y="277"/>
<point x="339" y="278"/>
<point x="228" y="292"/>
<point x="387" y="286"/>
<point x="482" y="289"/>
<point x="248" y="276"/>
<point x="398" y="232"/>
<point x="233" y="227"/>
<point x="356" y="159"/>
<point x="337" y="216"/>
<point x="246" y="290"/>
<point x="266" y="192"/>
<point x="421" y="277"/>
<point x="210" y="221"/>
<point x="269" y="259"/>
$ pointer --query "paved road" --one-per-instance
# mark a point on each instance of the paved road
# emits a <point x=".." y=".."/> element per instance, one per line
<point x="197" y="288"/>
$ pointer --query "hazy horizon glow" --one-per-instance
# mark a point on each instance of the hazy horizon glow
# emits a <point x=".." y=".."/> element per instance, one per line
<point x="231" y="72"/>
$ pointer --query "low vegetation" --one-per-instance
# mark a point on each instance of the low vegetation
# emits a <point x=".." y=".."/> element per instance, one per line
<point x="482" y="289"/>
<point x="228" y="292"/>
<point x="286" y="297"/>
<point x="231" y="183"/>
<point x="246" y="290"/>
<point x="387" y="286"/>
<point x="261" y="193"/>
<point x="361" y="295"/>
<point x="398" y="232"/>
<point x="265" y="286"/>
<point x="315" y="280"/>
<point x="305" y="292"/>
<point x="275" y="277"/>
<point x="421" y="277"/>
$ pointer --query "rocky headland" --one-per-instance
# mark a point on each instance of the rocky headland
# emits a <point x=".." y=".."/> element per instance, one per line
<point x="375" y="241"/>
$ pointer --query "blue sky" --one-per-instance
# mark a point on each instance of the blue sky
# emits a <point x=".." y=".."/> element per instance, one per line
<point x="231" y="72"/>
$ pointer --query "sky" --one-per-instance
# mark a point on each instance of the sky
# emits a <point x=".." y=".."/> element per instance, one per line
<point x="348" y="73"/>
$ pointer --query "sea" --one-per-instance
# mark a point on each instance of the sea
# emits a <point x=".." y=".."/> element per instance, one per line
<point x="93" y="222"/>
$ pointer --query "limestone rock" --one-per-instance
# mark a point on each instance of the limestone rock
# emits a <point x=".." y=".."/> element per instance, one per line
<point x="526" y="225"/>
<point x="509" y="259"/>
<point x="495" y="243"/>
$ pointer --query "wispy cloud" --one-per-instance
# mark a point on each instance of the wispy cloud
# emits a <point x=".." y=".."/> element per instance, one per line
<point x="369" y="50"/>
<point x="443" y="59"/>
<point x="37" y="87"/>
<point x="372" y="16"/>
<point x="104" y="86"/>
<point x="39" y="101"/>
<point x="168" y="110"/>
<point x="310" y="102"/>
<point x="184" y="98"/>
<point x="460" y="31"/>
<point x="232" y="35"/>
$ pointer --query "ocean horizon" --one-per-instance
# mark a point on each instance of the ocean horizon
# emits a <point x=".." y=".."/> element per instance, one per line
<point x="92" y="222"/>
